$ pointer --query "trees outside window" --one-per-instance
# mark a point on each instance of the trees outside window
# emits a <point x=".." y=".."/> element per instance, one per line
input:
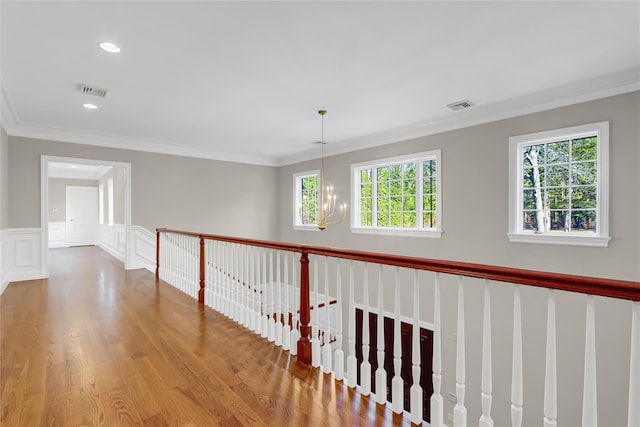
<point x="399" y="195"/>
<point x="559" y="186"/>
<point x="305" y="189"/>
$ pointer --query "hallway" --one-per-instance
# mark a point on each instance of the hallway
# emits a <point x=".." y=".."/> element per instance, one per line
<point x="97" y="345"/>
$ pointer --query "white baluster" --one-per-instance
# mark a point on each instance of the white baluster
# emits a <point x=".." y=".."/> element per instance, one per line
<point x="271" y="330"/>
<point x="352" y="362"/>
<point x="179" y="253"/>
<point x="231" y="287"/>
<point x="222" y="288"/>
<point x="315" y="329"/>
<point x="262" y="306"/>
<point x="195" y="258"/>
<point x="327" y="362"/>
<point x="589" y="397"/>
<point x="381" y="373"/>
<point x="550" y="378"/>
<point x="255" y="277"/>
<point x="218" y="292"/>
<point x="250" y="288"/>
<point x="258" y="293"/>
<point x="286" y="331"/>
<point x="225" y="279"/>
<point x="397" y="383"/>
<point x="460" y="411"/>
<point x="365" y="366"/>
<point x="234" y="264"/>
<point x="278" y="307"/>
<point x="486" y="396"/>
<point x="338" y="366"/>
<point x="184" y="267"/>
<point x="516" y="363"/>
<point x="437" y="403"/>
<point x="295" y="334"/>
<point x="240" y="261"/>
<point x="416" y="394"/>
<point x="245" y="287"/>
<point x="633" y="418"/>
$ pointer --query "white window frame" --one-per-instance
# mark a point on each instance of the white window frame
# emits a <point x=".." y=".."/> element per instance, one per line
<point x="297" y="220"/>
<point x="419" y="231"/>
<point x="517" y="143"/>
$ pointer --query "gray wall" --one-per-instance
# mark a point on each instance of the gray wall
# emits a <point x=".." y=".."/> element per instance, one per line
<point x="482" y="151"/>
<point x="4" y="179"/>
<point x="167" y="191"/>
<point x="233" y="199"/>
<point x="58" y="196"/>
<point x="118" y="194"/>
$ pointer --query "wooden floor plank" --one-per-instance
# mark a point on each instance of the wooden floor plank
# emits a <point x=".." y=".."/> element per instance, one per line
<point x="95" y="345"/>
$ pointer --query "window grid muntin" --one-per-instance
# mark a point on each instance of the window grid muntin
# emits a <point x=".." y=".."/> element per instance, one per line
<point x="419" y="161"/>
<point x="570" y="186"/>
<point x="304" y="205"/>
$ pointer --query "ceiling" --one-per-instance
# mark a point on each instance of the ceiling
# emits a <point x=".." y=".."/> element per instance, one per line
<point x="243" y="81"/>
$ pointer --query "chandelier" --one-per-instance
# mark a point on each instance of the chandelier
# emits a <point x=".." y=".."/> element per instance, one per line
<point x="327" y="202"/>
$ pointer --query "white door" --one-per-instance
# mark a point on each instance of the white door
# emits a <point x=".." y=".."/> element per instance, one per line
<point x="82" y="216"/>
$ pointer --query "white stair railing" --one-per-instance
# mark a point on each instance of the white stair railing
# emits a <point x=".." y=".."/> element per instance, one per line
<point x="258" y="286"/>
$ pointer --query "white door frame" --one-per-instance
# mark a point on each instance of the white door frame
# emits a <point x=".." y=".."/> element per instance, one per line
<point x="44" y="205"/>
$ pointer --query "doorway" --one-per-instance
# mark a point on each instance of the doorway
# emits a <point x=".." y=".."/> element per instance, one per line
<point x="81" y="221"/>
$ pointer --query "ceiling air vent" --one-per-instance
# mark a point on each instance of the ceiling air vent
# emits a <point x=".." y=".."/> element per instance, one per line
<point x="92" y="90"/>
<point x="460" y="105"/>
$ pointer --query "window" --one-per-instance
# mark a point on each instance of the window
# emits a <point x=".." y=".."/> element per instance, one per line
<point x="559" y="186"/>
<point x="110" y="199"/>
<point x="399" y="195"/>
<point x="305" y="191"/>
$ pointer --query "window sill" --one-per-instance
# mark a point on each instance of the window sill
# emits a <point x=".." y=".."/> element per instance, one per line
<point x="433" y="234"/>
<point x="312" y="227"/>
<point x="550" y="239"/>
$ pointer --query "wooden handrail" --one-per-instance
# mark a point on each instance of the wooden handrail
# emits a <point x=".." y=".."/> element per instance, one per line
<point x="582" y="284"/>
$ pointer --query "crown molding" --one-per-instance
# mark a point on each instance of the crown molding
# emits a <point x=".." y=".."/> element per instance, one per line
<point x="74" y="136"/>
<point x="587" y="90"/>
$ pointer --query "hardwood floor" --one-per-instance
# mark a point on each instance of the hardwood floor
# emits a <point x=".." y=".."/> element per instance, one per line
<point x="95" y="345"/>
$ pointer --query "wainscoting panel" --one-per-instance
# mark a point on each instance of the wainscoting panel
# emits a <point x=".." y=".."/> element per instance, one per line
<point x="4" y="261"/>
<point x="111" y="238"/>
<point x="144" y="248"/>
<point x="58" y="235"/>
<point x="21" y="252"/>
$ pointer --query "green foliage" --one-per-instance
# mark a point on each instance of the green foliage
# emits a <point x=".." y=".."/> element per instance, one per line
<point x="309" y="200"/>
<point x="560" y="185"/>
<point x="396" y="189"/>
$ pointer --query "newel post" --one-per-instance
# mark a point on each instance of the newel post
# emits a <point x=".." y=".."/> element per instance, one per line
<point x="201" y="291"/>
<point x="157" y="253"/>
<point x="304" y="343"/>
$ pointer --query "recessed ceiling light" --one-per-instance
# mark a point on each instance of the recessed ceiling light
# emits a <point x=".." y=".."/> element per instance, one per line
<point x="110" y="47"/>
<point x="90" y="106"/>
<point x="74" y="166"/>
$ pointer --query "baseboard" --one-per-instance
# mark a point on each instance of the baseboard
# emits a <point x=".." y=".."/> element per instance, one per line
<point x="114" y="252"/>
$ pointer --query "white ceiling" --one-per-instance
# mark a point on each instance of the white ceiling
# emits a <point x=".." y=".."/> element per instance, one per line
<point x="242" y="81"/>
